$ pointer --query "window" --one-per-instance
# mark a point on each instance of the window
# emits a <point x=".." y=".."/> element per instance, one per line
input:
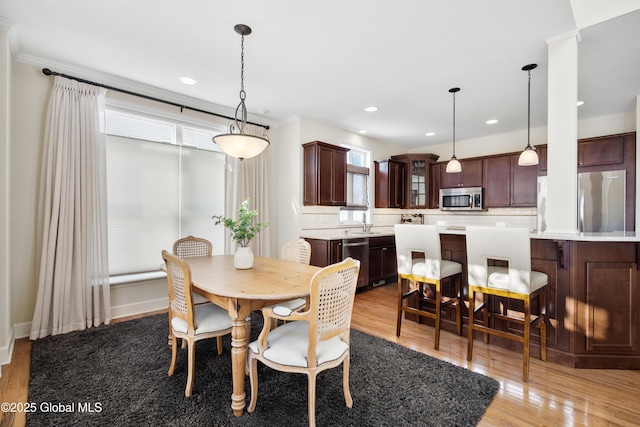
<point x="357" y="208"/>
<point x="165" y="180"/>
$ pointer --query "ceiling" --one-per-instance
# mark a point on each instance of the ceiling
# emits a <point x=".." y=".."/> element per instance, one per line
<point x="327" y="60"/>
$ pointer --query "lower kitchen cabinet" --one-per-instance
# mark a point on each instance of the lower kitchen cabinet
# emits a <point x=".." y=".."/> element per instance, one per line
<point x="382" y="258"/>
<point x="378" y="261"/>
<point x="325" y="252"/>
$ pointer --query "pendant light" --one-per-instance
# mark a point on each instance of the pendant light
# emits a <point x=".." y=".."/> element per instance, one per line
<point x="528" y="157"/>
<point x="454" y="165"/>
<point x="236" y="143"/>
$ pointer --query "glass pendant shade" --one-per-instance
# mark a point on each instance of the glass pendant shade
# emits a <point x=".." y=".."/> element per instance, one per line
<point x="241" y="145"/>
<point x="454" y="166"/>
<point x="528" y="157"/>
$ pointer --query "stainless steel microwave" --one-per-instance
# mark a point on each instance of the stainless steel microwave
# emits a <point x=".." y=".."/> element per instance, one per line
<point x="461" y="199"/>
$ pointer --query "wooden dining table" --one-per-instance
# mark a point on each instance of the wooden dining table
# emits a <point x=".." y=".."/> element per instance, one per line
<point x="240" y="292"/>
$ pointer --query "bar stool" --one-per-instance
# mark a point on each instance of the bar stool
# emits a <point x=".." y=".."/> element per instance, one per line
<point x="487" y="249"/>
<point x="427" y="269"/>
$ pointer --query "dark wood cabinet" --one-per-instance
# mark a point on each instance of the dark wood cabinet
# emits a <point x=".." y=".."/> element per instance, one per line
<point x="608" y="295"/>
<point x="325" y="252"/>
<point x="434" y="186"/>
<point x="390" y="178"/>
<point x="601" y="151"/>
<point x="508" y="185"/>
<point x="417" y="178"/>
<point x="471" y="175"/>
<point x="382" y="258"/>
<point x="325" y="174"/>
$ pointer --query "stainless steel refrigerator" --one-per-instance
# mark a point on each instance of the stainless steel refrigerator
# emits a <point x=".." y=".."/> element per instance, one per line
<point x="601" y="201"/>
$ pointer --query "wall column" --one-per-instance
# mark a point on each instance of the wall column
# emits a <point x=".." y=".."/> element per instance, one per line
<point x="562" y="135"/>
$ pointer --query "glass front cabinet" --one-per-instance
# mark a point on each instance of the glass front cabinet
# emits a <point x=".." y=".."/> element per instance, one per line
<point x="417" y="178"/>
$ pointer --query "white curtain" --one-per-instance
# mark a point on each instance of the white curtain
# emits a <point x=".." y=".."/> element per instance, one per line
<point x="248" y="178"/>
<point x="73" y="273"/>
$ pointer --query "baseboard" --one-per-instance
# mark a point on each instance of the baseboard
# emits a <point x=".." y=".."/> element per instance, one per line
<point x="22" y="330"/>
<point x="139" y="307"/>
<point x="7" y="351"/>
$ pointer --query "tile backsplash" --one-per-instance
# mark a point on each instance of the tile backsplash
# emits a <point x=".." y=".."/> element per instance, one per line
<point x="320" y="220"/>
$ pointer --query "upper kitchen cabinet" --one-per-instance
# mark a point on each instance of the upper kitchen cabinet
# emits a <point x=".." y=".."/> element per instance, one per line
<point x="417" y="178"/>
<point x="508" y="185"/>
<point x="610" y="152"/>
<point x="471" y="175"/>
<point x="325" y="174"/>
<point x="606" y="152"/>
<point x="389" y="184"/>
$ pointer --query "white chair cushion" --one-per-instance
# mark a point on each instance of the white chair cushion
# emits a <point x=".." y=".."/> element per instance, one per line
<point x="289" y="343"/>
<point x="293" y="305"/>
<point x="499" y="279"/>
<point x="209" y="318"/>
<point x="435" y="268"/>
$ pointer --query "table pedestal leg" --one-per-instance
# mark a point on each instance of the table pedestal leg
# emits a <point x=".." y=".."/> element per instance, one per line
<point x="239" y="342"/>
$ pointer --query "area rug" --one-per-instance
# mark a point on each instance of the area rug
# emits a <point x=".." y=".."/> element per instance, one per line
<point x="116" y="375"/>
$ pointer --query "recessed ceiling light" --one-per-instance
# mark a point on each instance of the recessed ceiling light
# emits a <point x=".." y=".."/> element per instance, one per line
<point x="363" y="131"/>
<point x="187" y="80"/>
<point x="491" y="121"/>
<point x="579" y="103"/>
<point x="429" y="134"/>
<point x="371" y="109"/>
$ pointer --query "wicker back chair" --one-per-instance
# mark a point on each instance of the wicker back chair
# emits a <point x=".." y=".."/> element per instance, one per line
<point x="192" y="246"/>
<point x="188" y="321"/>
<point x="297" y="251"/>
<point x="310" y="341"/>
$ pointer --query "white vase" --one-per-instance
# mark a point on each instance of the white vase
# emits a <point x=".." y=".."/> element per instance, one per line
<point x="243" y="258"/>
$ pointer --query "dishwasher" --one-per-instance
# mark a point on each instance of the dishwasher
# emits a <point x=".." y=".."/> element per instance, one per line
<point x="358" y="248"/>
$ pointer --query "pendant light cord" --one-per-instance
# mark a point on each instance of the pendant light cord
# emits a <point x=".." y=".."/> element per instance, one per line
<point x="529" y="111"/>
<point x="454" y="125"/>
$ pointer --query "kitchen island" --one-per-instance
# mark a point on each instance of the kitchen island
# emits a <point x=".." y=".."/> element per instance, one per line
<point x="593" y="301"/>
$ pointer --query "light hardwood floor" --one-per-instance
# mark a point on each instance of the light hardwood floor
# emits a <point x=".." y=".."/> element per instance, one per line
<point x="554" y="396"/>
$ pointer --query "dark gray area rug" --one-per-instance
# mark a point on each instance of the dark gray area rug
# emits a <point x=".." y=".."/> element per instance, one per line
<point x="116" y="375"/>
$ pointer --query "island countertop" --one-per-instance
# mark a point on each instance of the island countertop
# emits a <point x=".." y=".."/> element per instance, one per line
<point x="339" y="234"/>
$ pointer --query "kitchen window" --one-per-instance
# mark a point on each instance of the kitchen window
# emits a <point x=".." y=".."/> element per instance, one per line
<point x="165" y="179"/>
<point x="357" y="209"/>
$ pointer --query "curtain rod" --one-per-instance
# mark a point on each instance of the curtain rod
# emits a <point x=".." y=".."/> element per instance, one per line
<point x="48" y="72"/>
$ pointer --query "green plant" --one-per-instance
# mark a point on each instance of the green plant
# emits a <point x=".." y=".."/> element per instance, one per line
<point x="242" y="230"/>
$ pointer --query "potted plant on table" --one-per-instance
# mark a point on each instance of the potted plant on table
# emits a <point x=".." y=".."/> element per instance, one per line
<point x="243" y="230"/>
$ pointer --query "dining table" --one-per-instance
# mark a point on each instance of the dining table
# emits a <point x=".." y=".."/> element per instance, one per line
<point x="240" y="292"/>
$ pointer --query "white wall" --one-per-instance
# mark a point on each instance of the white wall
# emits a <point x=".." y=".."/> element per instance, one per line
<point x="5" y="266"/>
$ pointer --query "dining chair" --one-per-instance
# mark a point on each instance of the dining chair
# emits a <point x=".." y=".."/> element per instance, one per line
<point x="313" y="340"/>
<point x="297" y="251"/>
<point x="488" y="250"/>
<point x="190" y="322"/>
<point x="420" y="261"/>
<point x="187" y="247"/>
<point x="191" y="246"/>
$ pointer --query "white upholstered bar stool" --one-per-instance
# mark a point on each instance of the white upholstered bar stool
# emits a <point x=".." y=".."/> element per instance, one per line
<point x="488" y="248"/>
<point x="420" y="260"/>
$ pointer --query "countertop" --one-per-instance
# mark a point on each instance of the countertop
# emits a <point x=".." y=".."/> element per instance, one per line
<point x="618" y="236"/>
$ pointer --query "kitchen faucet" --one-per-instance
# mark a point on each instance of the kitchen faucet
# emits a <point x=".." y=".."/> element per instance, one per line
<point x="365" y="227"/>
